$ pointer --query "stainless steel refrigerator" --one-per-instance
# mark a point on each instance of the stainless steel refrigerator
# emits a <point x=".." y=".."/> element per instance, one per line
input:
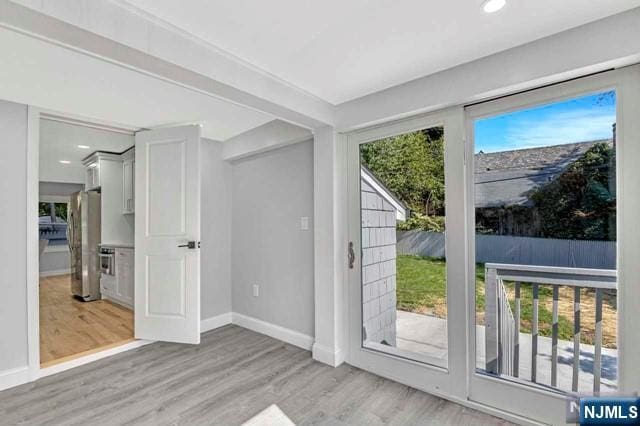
<point x="84" y="239"/>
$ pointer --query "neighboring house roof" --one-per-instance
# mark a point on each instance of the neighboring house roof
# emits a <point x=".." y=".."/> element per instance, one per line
<point x="368" y="177"/>
<point x="507" y="178"/>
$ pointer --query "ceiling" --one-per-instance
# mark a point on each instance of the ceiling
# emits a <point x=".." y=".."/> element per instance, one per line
<point x="61" y="140"/>
<point x="45" y="75"/>
<point x="339" y="50"/>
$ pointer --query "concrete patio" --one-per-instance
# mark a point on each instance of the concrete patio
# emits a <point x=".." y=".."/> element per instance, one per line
<point x="427" y="335"/>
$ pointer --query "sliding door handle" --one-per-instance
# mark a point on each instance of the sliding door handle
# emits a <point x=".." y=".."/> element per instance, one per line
<point x="352" y="255"/>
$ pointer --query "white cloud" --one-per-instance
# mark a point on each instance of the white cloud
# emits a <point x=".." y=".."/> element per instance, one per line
<point x="560" y="128"/>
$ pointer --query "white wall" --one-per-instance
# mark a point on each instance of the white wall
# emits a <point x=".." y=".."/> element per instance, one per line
<point x="271" y="192"/>
<point x="13" y="225"/>
<point x="215" y="255"/>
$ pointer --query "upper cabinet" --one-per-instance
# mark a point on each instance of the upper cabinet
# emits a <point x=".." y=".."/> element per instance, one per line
<point x="95" y="168"/>
<point x="128" y="182"/>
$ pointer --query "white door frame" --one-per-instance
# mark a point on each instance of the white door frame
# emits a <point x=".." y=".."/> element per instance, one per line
<point x="448" y="381"/>
<point x="34" y="115"/>
<point x="524" y="399"/>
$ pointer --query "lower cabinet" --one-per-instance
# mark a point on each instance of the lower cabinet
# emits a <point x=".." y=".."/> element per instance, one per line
<point x="120" y="288"/>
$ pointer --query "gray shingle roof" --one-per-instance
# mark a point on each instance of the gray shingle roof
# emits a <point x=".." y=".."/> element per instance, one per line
<point x="507" y="178"/>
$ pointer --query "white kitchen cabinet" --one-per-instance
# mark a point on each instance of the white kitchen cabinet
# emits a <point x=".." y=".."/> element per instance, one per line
<point x="92" y="175"/>
<point x="128" y="182"/>
<point x="121" y="288"/>
<point x="95" y="168"/>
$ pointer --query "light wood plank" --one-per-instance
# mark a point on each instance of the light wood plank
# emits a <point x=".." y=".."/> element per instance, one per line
<point x="230" y="377"/>
<point x="70" y="328"/>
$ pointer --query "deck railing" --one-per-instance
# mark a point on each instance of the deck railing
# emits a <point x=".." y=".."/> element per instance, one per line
<point x="502" y="325"/>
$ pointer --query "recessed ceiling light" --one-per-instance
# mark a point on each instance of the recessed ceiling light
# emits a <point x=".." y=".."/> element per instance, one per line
<point x="84" y="146"/>
<point x="490" y="6"/>
<point x="65" y="162"/>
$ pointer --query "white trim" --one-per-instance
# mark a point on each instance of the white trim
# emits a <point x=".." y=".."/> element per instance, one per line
<point x="89" y="124"/>
<point x="401" y="211"/>
<point x="54" y="198"/>
<point x="32" y="243"/>
<point x="64" y="366"/>
<point x="212" y="323"/>
<point x="327" y="356"/>
<point x="277" y="332"/>
<point x="14" y="377"/>
<point x="55" y="273"/>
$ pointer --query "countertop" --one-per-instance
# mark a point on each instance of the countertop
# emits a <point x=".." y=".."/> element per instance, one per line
<point x="117" y="245"/>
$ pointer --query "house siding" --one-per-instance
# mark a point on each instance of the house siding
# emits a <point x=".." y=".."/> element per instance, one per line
<point x="378" y="267"/>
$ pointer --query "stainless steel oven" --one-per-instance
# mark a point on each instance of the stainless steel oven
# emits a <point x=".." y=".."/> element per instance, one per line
<point x="107" y="261"/>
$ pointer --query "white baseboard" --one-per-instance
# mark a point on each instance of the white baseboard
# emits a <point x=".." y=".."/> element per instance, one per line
<point x="54" y="273"/>
<point x="212" y="323"/>
<point x="14" y="377"/>
<point x="277" y="332"/>
<point x="327" y="355"/>
<point x="63" y="366"/>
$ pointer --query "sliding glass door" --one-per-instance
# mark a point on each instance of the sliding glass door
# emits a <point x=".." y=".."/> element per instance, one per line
<point x="546" y="217"/>
<point x="493" y="249"/>
<point x="407" y="243"/>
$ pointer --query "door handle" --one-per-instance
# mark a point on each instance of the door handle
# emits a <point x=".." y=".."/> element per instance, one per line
<point x="191" y="245"/>
<point x="352" y="255"/>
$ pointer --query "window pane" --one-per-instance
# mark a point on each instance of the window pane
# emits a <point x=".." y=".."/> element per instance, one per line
<point x="545" y="213"/>
<point x="403" y="259"/>
<point x="53" y="222"/>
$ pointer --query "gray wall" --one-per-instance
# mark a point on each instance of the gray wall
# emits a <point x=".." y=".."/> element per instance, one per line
<point x="271" y="192"/>
<point x="59" y="189"/>
<point x="55" y="262"/>
<point x="13" y="245"/>
<point x="215" y="231"/>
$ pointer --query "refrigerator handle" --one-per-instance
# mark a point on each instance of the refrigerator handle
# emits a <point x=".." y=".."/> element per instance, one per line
<point x="69" y="230"/>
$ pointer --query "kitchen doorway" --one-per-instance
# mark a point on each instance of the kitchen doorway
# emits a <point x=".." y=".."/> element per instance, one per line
<point x="85" y="234"/>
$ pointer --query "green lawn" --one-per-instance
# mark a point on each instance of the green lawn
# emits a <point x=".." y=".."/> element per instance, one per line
<point x="421" y="287"/>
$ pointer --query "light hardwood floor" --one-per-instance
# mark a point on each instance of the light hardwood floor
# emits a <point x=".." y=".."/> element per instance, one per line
<point x="70" y="328"/>
<point x="230" y="377"/>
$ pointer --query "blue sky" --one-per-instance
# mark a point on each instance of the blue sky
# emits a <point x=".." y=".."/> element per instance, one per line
<point x="575" y="120"/>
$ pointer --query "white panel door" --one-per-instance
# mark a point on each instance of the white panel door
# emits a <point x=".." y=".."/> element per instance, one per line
<point x="167" y="256"/>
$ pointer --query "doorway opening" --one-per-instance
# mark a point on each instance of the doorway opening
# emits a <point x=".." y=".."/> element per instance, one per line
<point x="86" y="220"/>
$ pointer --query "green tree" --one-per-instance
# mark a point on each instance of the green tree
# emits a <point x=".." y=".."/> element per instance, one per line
<point x="581" y="202"/>
<point x="412" y="167"/>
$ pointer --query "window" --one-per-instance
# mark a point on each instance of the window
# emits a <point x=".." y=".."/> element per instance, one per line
<point x="52" y="219"/>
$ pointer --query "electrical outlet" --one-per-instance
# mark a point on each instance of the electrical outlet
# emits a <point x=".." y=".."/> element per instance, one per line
<point x="256" y="290"/>
<point x="304" y="223"/>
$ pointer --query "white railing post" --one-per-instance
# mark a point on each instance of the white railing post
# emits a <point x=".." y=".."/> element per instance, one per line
<point x="491" y="321"/>
<point x="502" y="326"/>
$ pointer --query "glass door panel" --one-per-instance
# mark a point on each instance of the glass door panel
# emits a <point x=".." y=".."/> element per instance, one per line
<point x="402" y="208"/>
<point x="545" y="222"/>
<point x="406" y="235"/>
<point x="546" y="191"/>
